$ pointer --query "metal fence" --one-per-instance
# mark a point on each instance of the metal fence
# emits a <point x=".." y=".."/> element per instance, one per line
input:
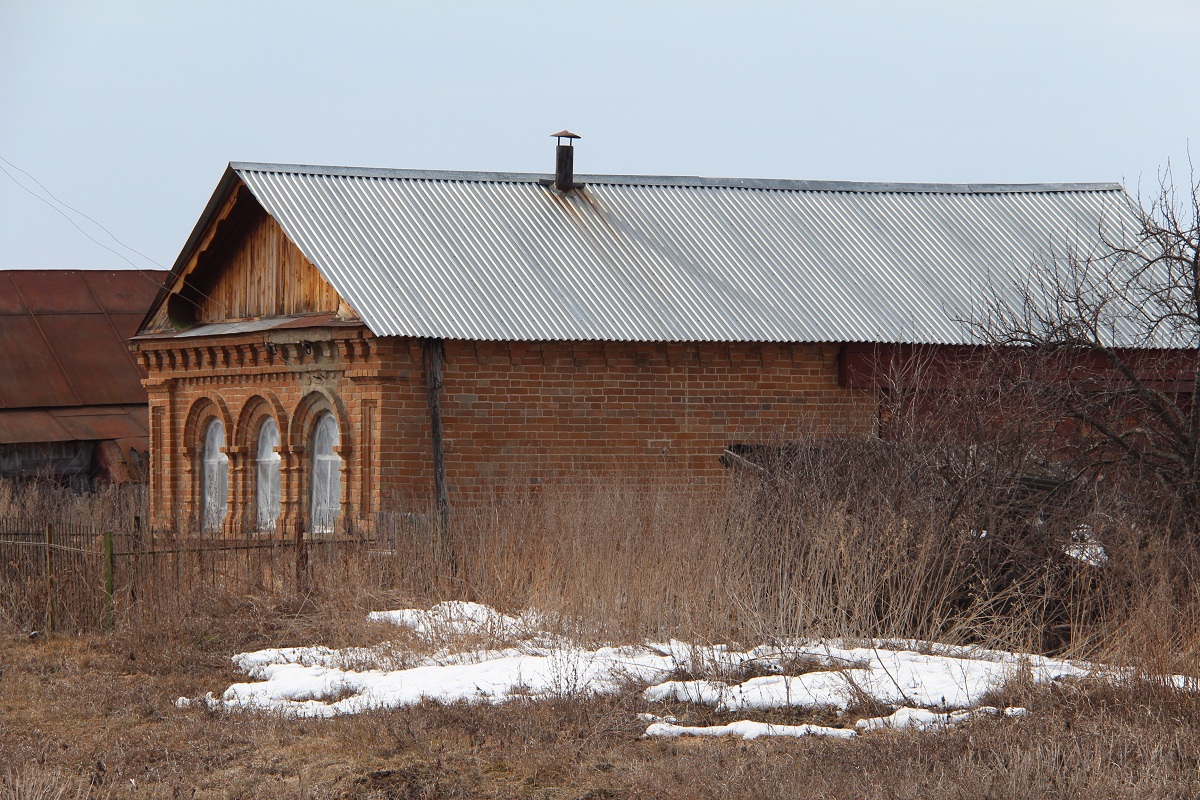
<point x="51" y="576"/>
<point x="77" y="577"/>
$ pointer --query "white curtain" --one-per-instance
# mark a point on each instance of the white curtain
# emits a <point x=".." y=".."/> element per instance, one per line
<point x="214" y="478"/>
<point x="326" y="474"/>
<point x="268" y="474"/>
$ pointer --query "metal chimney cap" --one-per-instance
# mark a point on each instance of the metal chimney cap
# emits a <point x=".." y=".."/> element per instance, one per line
<point x="565" y="134"/>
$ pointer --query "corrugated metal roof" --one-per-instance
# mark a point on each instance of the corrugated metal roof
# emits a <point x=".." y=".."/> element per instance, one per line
<point x="63" y="337"/>
<point x="503" y="256"/>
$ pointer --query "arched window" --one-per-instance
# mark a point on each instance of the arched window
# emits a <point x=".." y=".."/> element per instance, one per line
<point x="267" y="485"/>
<point x="214" y="478"/>
<point x="326" y="474"/>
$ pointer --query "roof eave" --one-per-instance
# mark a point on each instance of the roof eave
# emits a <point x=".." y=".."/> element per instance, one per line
<point x="229" y="181"/>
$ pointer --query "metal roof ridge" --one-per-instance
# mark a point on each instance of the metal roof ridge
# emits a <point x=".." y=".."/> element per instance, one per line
<point x="861" y="187"/>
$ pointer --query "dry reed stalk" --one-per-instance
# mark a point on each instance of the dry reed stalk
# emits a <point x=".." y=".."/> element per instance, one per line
<point x="843" y="539"/>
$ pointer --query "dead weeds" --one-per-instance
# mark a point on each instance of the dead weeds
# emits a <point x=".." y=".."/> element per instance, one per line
<point x="68" y="705"/>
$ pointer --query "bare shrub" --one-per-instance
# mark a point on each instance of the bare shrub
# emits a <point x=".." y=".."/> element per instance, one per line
<point x="43" y="502"/>
<point x="31" y="782"/>
<point x="1109" y="339"/>
<point x="936" y="533"/>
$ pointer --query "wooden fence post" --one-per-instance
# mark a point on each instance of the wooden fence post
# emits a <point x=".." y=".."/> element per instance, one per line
<point x="301" y="555"/>
<point x="49" y="582"/>
<point x="109" y="605"/>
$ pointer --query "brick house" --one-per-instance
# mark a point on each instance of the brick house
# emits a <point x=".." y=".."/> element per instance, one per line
<point x="334" y="341"/>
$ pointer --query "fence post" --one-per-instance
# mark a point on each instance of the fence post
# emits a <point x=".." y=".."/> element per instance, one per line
<point x="301" y="555"/>
<point x="49" y="582"/>
<point x="108" y="581"/>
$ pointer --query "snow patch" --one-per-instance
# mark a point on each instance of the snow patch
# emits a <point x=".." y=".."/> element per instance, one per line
<point x="317" y="690"/>
<point x="1085" y="548"/>
<point x="456" y="618"/>
<point x="746" y="729"/>
<point x="932" y="685"/>
<point x="890" y="677"/>
<point x="924" y="719"/>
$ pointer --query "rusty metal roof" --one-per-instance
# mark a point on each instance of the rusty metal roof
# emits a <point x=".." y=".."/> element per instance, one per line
<point x="63" y="353"/>
<point x="84" y="423"/>
<point x="291" y="322"/>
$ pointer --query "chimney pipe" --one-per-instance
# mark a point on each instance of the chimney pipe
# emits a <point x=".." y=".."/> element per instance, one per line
<point x="564" y="161"/>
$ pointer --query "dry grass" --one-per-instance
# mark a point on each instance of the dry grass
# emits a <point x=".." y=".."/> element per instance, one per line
<point x="69" y="704"/>
<point x="849" y="542"/>
<point x="113" y="507"/>
<point x="846" y="539"/>
<point x="860" y="543"/>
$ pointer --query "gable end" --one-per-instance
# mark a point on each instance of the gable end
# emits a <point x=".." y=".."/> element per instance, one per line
<point x="242" y="266"/>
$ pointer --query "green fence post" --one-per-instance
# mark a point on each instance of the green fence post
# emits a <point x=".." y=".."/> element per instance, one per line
<point x="108" y="581"/>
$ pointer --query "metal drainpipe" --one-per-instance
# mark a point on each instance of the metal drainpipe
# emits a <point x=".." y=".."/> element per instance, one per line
<point x="434" y="354"/>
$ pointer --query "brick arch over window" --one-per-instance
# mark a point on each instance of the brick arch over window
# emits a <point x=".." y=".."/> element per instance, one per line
<point x="308" y="409"/>
<point x="253" y="412"/>
<point x="258" y="512"/>
<point x="300" y="431"/>
<point x="201" y="414"/>
<point x="202" y="410"/>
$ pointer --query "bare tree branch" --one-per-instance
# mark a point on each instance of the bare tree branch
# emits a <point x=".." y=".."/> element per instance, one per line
<point x="1110" y="340"/>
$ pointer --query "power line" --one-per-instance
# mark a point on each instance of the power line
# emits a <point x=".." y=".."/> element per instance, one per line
<point x="42" y="186"/>
<point x="140" y="270"/>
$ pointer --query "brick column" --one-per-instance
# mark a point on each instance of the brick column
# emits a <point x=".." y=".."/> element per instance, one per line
<point x="291" y="504"/>
<point x="242" y="513"/>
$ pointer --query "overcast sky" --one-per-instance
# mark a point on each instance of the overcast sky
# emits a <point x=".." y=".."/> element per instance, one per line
<point x="129" y="111"/>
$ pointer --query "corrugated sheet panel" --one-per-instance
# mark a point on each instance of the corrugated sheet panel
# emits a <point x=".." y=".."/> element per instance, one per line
<point x="86" y="423"/>
<point x="64" y="333"/>
<point x="506" y="257"/>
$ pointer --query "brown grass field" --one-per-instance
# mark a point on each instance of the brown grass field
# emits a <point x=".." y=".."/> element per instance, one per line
<point x="862" y="548"/>
<point x="70" y="704"/>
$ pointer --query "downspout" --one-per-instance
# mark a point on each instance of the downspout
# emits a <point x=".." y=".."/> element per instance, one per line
<point x="433" y="353"/>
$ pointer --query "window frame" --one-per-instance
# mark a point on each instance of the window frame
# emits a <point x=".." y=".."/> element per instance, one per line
<point x="214" y="464"/>
<point x="325" y="515"/>
<point x="272" y="466"/>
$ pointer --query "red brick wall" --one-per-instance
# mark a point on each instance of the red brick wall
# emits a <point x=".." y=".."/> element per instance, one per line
<point x="544" y="411"/>
<point x="512" y="412"/>
<point x="293" y="375"/>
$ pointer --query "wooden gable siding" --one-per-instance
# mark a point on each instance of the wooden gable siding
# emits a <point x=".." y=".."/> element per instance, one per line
<point x="243" y="267"/>
<point x="261" y="273"/>
<point x="158" y="320"/>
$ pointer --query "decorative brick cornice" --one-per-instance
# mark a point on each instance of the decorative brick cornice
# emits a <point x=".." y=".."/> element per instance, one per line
<point x="322" y="352"/>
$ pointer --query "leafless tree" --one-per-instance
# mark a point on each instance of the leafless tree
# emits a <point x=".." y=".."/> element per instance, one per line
<point x="1108" y="341"/>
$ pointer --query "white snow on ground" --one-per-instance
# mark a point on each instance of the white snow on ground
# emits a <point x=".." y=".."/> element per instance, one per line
<point x="1085" y="548"/>
<point x="495" y="677"/>
<point x="892" y="677"/>
<point x="746" y="729"/>
<point x="458" y="618"/>
<point x="918" y="718"/>
<point x="933" y="686"/>
<point x="924" y="719"/>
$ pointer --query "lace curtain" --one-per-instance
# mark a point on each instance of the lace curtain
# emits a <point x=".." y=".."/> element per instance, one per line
<point x="268" y="460"/>
<point x="326" y="475"/>
<point x="214" y="478"/>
